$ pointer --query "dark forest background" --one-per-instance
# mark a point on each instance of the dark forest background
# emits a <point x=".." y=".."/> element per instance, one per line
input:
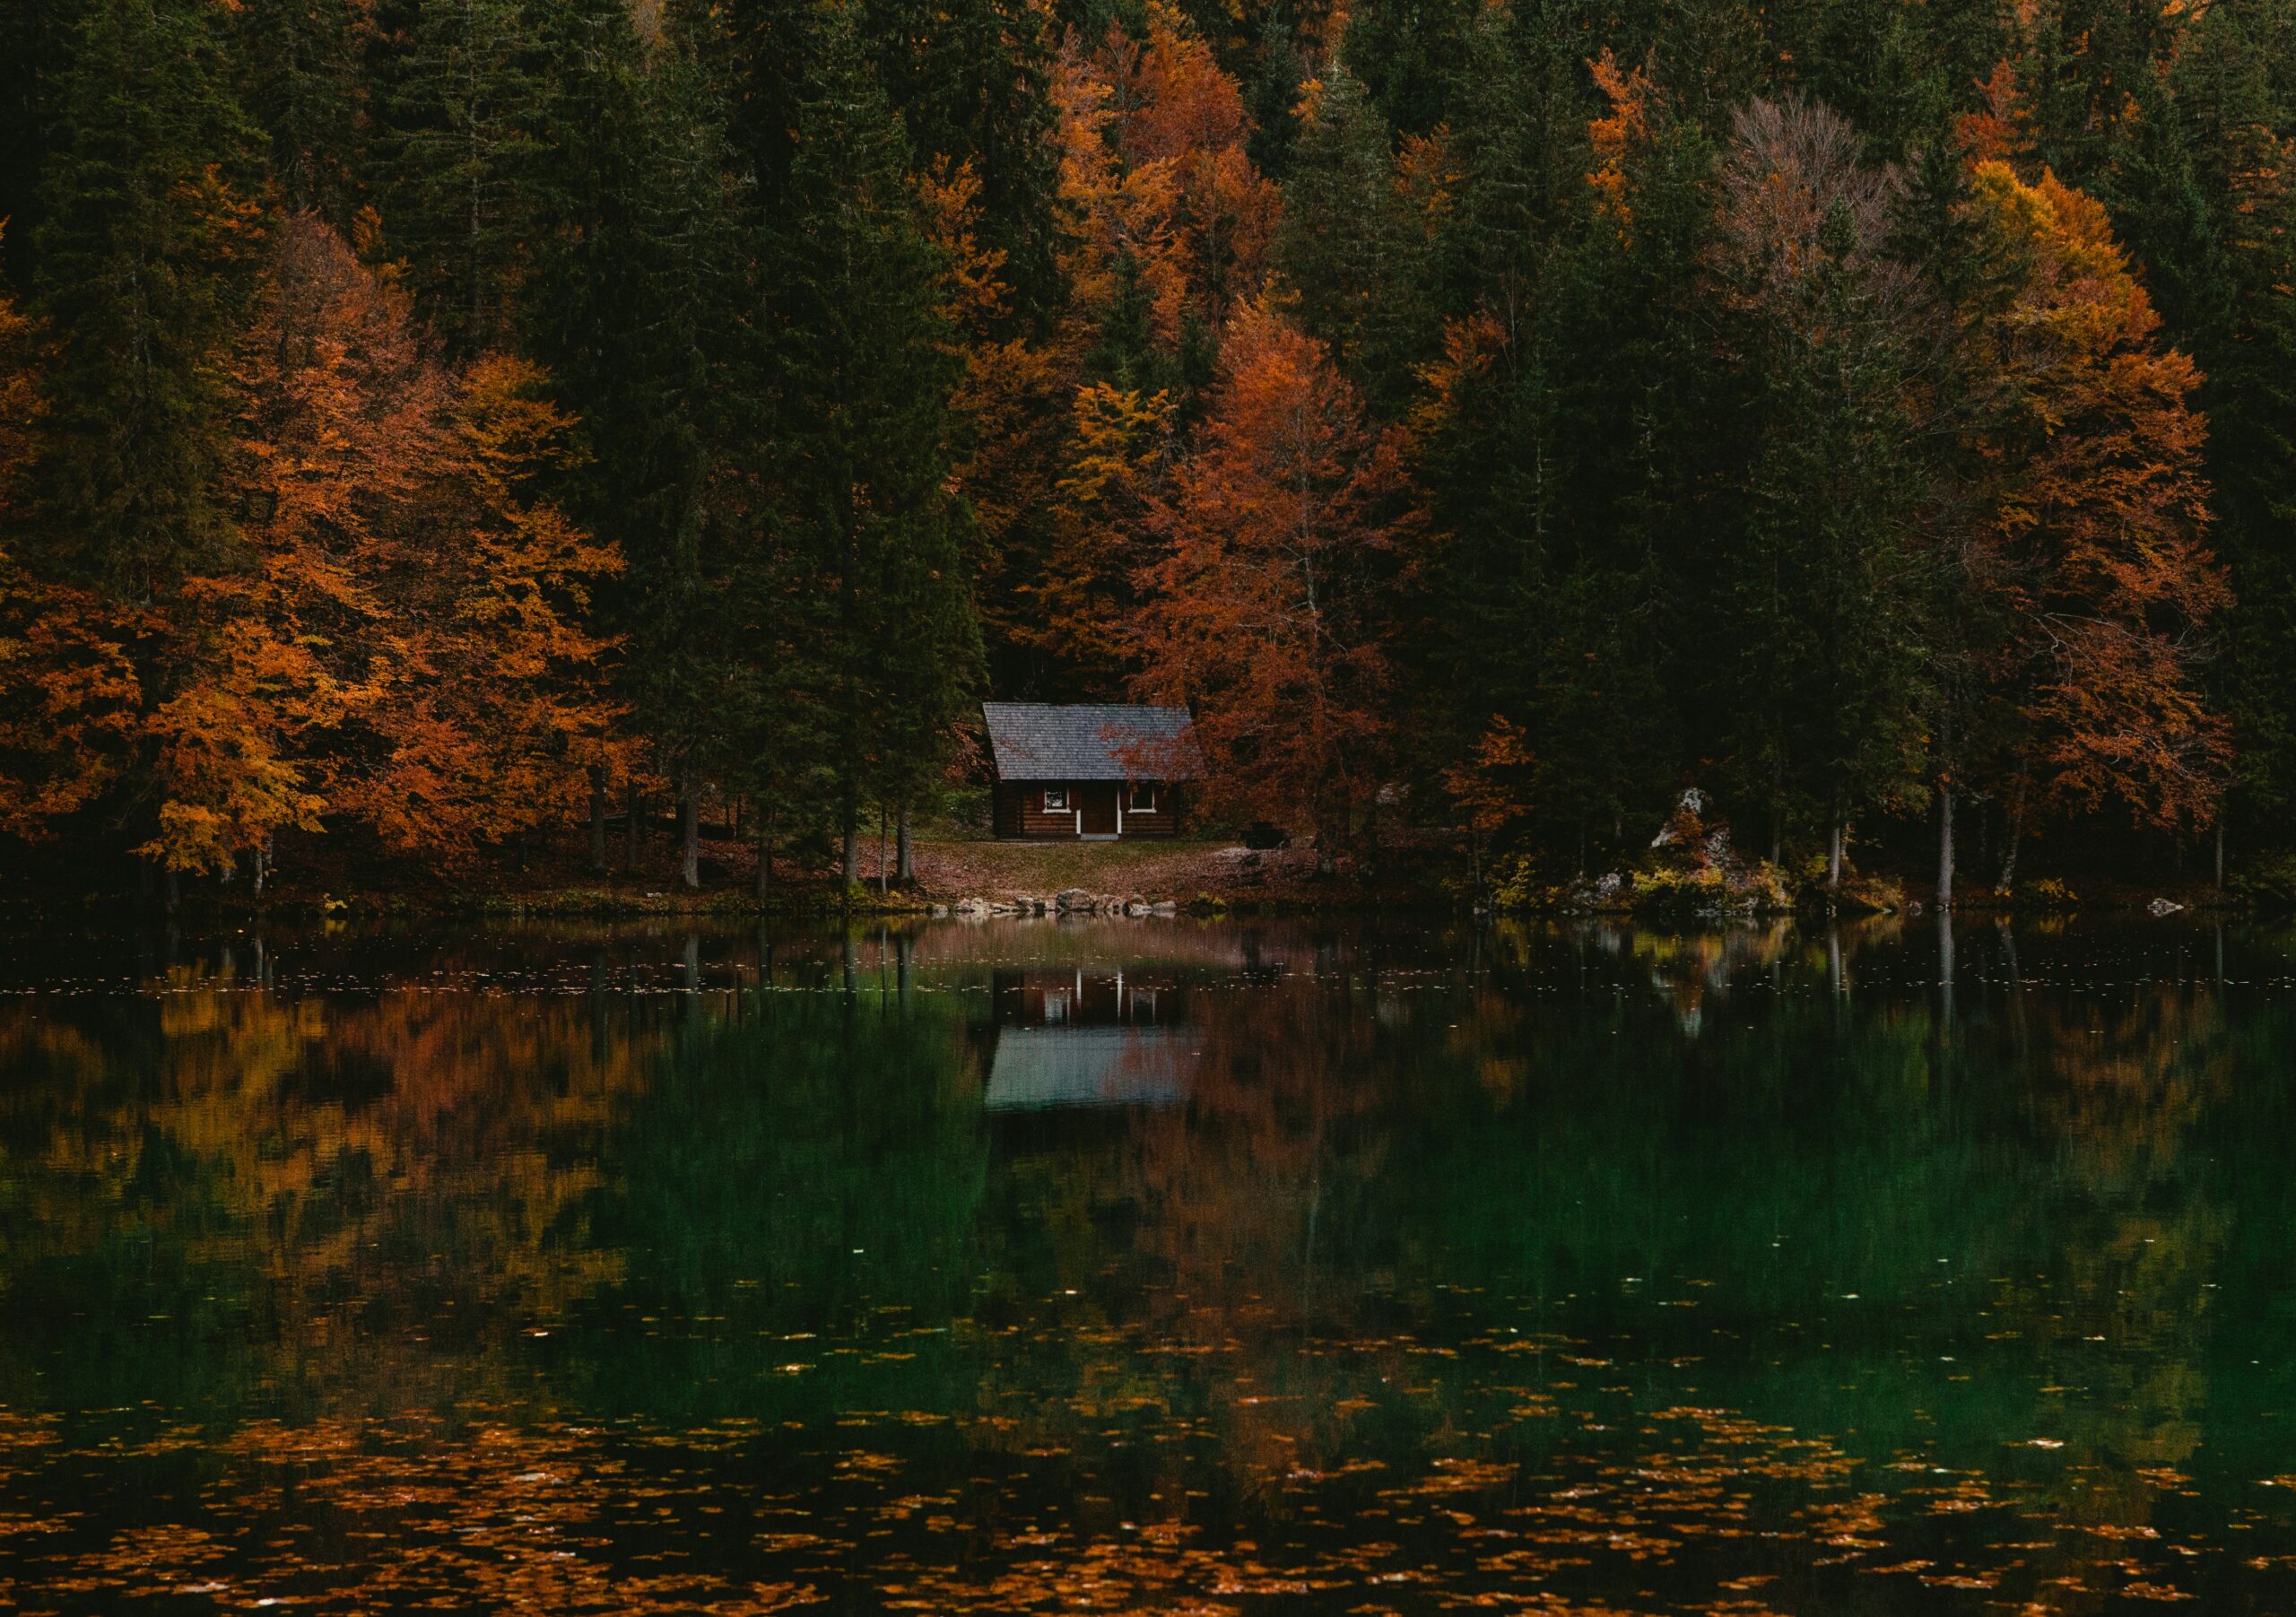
<point x="436" y="424"/>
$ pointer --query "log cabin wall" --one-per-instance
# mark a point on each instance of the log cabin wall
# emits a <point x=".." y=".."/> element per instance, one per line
<point x="1018" y="811"/>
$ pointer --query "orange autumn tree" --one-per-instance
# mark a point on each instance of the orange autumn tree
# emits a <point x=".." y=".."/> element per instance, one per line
<point x="398" y="643"/>
<point x="500" y="704"/>
<point x="1270" y="615"/>
<point x="1492" y="790"/>
<point x="1615" y="135"/>
<point x="296" y="646"/>
<point x="1166" y="203"/>
<point x="2001" y="131"/>
<point x="1170" y="225"/>
<point x="1010" y="402"/>
<point x="1100" y="525"/>
<point x="69" y="692"/>
<point x="2097" y="531"/>
<point x="1178" y="108"/>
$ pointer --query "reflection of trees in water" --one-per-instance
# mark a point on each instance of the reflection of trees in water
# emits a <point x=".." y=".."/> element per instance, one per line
<point x="308" y="1170"/>
<point x="1407" y="1215"/>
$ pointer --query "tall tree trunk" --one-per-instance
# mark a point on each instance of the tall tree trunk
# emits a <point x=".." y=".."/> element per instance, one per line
<point x="764" y="887"/>
<point x="2220" y="849"/>
<point x="174" y="888"/>
<point x="598" y="819"/>
<point x="629" y="831"/>
<point x="885" y="876"/>
<point x="1836" y="835"/>
<point x="905" y="854"/>
<point x="1945" y="844"/>
<point x="851" y="816"/>
<point x="848" y="716"/>
<point x="689" y="832"/>
<point x="262" y="865"/>
<point x="2013" y="835"/>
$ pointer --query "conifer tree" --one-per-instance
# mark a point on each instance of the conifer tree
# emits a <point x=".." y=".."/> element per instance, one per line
<point x="1821" y="603"/>
<point x="461" y="100"/>
<point x="300" y="59"/>
<point x="865" y="364"/>
<point x="638" y="280"/>
<point x="2234" y="107"/>
<point x="1348" y="245"/>
<point x="31" y="76"/>
<point x="146" y="254"/>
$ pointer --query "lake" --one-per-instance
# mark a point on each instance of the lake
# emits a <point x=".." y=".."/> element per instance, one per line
<point x="1150" y="1266"/>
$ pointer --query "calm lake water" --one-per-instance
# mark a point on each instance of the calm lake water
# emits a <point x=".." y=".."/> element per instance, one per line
<point x="1151" y="1267"/>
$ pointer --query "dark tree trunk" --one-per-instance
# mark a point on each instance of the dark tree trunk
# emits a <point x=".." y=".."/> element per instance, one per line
<point x="764" y="857"/>
<point x="2219" y="850"/>
<point x="629" y="831"/>
<point x="1836" y="835"/>
<point x="849" y="821"/>
<point x="690" y="834"/>
<point x="905" y="853"/>
<point x="2013" y="835"/>
<point x="885" y="876"/>
<point x="598" y="819"/>
<point x="1945" y="844"/>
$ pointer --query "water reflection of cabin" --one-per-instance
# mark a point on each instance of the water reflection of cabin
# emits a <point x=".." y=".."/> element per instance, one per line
<point x="1089" y="1038"/>
<point x="1088" y="772"/>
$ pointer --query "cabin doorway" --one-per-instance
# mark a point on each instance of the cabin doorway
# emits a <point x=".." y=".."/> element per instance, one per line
<point x="1096" y="812"/>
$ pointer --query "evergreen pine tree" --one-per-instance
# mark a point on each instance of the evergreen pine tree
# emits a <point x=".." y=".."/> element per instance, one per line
<point x="301" y="61"/>
<point x="636" y="278"/>
<point x="146" y="252"/>
<point x="1818" y="656"/>
<point x="461" y="96"/>
<point x="865" y="364"/>
<point x="1348" y="247"/>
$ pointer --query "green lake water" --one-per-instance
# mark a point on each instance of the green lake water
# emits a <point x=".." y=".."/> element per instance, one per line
<point x="1151" y="1267"/>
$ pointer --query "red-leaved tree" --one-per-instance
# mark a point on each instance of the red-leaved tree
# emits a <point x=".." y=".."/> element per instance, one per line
<point x="1270" y="613"/>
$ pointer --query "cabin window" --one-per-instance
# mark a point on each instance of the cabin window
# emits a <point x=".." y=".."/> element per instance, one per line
<point x="1055" y="798"/>
<point x="1144" y="799"/>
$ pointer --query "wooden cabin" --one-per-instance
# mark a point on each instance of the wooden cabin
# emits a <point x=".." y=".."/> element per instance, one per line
<point x="1088" y="772"/>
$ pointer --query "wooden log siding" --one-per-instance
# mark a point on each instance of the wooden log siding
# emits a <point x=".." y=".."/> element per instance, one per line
<point x="1084" y="755"/>
<point x="1019" y="809"/>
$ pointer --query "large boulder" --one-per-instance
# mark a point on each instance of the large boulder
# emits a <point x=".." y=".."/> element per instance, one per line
<point x="1070" y="899"/>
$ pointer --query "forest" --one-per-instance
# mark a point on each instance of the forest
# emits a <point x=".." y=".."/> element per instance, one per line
<point x="446" y="426"/>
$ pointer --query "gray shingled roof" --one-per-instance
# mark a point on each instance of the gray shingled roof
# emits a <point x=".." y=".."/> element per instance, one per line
<point x="1047" y="741"/>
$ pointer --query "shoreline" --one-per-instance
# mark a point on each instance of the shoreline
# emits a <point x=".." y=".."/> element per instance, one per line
<point x="1205" y="879"/>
